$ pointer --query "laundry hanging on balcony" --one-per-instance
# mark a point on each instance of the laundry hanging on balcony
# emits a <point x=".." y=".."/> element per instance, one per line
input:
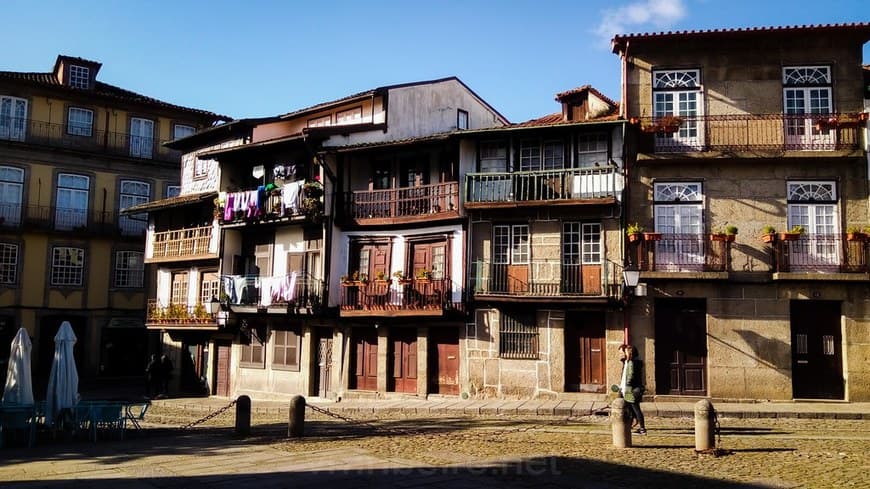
<point x="278" y="289"/>
<point x="290" y="196"/>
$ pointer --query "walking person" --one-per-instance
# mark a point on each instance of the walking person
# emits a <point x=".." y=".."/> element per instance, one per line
<point x="632" y="385"/>
<point x="153" y="382"/>
<point x="165" y="374"/>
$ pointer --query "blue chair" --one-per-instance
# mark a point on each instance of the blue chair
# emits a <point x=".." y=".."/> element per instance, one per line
<point x="136" y="412"/>
<point x="108" y="416"/>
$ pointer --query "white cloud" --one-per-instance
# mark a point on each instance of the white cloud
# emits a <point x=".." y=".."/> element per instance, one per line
<point x="640" y="16"/>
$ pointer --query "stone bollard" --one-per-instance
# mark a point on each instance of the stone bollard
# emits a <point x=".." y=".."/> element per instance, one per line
<point x="620" y="422"/>
<point x="704" y="425"/>
<point x="296" y="426"/>
<point x="243" y="416"/>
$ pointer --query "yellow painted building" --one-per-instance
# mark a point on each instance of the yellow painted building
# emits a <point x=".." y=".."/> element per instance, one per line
<point x="74" y="151"/>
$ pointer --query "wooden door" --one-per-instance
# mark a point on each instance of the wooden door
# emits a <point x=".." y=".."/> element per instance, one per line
<point x="517" y="279"/>
<point x="222" y="369"/>
<point x="816" y="350"/>
<point x="591" y="279"/>
<point x="444" y="360"/>
<point x="403" y="342"/>
<point x="585" y="361"/>
<point x="365" y="348"/>
<point x="681" y="347"/>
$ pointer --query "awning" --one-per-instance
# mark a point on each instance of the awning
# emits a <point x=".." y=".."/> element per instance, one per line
<point x="169" y="203"/>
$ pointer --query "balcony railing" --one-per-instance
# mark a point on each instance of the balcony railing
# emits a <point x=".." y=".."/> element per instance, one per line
<point x="537" y="278"/>
<point x="85" y="139"/>
<point x="183" y="243"/>
<point x="379" y="296"/>
<point x="292" y="291"/>
<point x="684" y="253"/>
<point x="565" y="185"/>
<point x="427" y="201"/>
<point x="50" y="218"/>
<point x="821" y="253"/>
<point x="765" y="132"/>
<point x="255" y="206"/>
<point x="179" y="314"/>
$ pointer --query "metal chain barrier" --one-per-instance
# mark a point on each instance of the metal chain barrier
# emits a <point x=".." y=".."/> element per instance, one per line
<point x="209" y="416"/>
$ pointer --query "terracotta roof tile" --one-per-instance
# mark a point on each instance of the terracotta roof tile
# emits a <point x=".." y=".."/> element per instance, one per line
<point x="170" y="202"/>
<point x="585" y="88"/>
<point x="103" y="90"/>
<point x="619" y="39"/>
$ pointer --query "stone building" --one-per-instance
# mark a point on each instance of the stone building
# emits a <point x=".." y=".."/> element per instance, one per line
<point x="750" y="128"/>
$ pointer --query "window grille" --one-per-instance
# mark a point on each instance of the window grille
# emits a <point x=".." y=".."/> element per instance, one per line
<point x="518" y="337"/>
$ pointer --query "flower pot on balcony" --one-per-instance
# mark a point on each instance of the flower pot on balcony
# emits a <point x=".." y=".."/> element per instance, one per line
<point x="652" y="236"/>
<point x="719" y="237"/>
<point x="789" y="236"/>
<point x="633" y="237"/>
<point x="856" y="236"/>
<point x="768" y="238"/>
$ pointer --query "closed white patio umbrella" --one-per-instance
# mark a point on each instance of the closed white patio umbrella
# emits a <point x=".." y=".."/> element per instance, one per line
<point x="63" y="382"/>
<point x="19" y="384"/>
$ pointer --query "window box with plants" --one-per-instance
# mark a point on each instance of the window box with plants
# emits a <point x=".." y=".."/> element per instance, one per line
<point x="651" y="236"/>
<point x="768" y="234"/>
<point x="792" y="234"/>
<point x="400" y="277"/>
<point x="423" y="275"/>
<point x="667" y="124"/>
<point x="633" y="231"/>
<point x="729" y="234"/>
<point x="854" y="233"/>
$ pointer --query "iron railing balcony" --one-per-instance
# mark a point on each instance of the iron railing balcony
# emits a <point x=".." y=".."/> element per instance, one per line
<point x="414" y="296"/>
<point x="537" y="279"/>
<point x="183" y="244"/>
<point x="83" y="138"/>
<point x="51" y="218"/>
<point x="820" y="253"/>
<point x="294" y="291"/>
<point x="553" y="187"/>
<point x="434" y="201"/>
<point x="750" y="132"/>
<point x="684" y="253"/>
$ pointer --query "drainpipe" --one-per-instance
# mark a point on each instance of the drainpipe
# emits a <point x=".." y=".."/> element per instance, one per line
<point x="623" y="109"/>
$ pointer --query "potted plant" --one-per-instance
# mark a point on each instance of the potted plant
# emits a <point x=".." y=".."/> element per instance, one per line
<point x="651" y="236"/>
<point x="730" y="233"/>
<point x="667" y="124"/>
<point x="633" y="231"/>
<point x="825" y="123"/>
<point x="423" y="274"/>
<point x="854" y="233"/>
<point x="768" y="234"/>
<point x="718" y="235"/>
<point x="792" y="234"/>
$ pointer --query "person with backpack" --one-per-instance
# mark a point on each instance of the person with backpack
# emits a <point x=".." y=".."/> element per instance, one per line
<point x="632" y="385"/>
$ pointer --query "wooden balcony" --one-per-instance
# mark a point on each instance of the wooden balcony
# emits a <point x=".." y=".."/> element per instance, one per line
<point x="389" y="298"/>
<point x="682" y="253"/>
<point x="84" y="222"/>
<point x="183" y="244"/>
<point x="570" y="186"/>
<point x="251" y="207"/>
<point x="821" y="254"/>
<point x="754" y="132"/>
<point x="180" y="316"/>
<point x="29" y="131"/>
<point x="295" y="293"/>
<point x="403" y="205"/>
<point x="539" y="280"/>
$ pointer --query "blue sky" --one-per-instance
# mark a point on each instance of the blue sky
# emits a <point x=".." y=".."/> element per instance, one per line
<point x="257" y="58"/>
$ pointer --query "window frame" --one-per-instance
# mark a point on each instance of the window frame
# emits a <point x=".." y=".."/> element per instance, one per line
<point x="169" y="193"/>
<point x="281" y="340"/>
<point x="130" y="224"/>
<point x="515" y="252"/>
<point x="13" y="127"/>
<point x="71" y="187"/>
<point x="342" y="119"/>
<point x="9" y="264"/>
<point x="142" y="146"/>
<point x="10" y="211"/>
<point x="461" y="119"/>
<point x="252" y="351"/>
<point x="176" y="126"/>
<point x="321" y="121"/>
<point x="586" y="140"/>
<point x="74" y="274"/>
<point x="135" y="276"/>
<point x="519" y="330"/>
<point x="79" y="76"/>
<point x="77" y="128"/>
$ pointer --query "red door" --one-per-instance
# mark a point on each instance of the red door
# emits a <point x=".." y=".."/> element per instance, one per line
<point x="584" y="352"/>
<point x="444" y="361"/>
<point x="222" y="369"/>
<point x="365" y="363"/>
<point x="681" y="347"/>
<point x="404" y="344"/>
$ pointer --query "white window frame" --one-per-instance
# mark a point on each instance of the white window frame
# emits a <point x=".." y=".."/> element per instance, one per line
<point x="186" y="130"/>
<point x="129" y="269"/>
<point x="461" y="119"/>
<point x="13" y="118"/>
<point x="511" y="244"/>
<point x="72" y="203"/>
<point x="591" y="150"/>
<point x="679" y="93"/>
<point x="814" y="206"/>
<point x="322" y="121"/>
<point x="173" y="191"/>
<point x="141" y="137"/>
<point x="67" y="266"/>
<point x="9" y="253"/>
<point x="11" y="195"/>
<point x="678" y="212"/>
<point x="806" y="97"/>
<point x="79" y="76"/>
<point x="349" y="116"/>
<point x="82" y="124"/>
<point x="133" y="192"/>
<point x="530" y="155"/>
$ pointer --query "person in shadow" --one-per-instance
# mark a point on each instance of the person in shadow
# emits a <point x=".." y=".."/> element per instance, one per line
<point x="165" y="374"/>
<point x="153" y="382"/>
<point x="632" y="385"/>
